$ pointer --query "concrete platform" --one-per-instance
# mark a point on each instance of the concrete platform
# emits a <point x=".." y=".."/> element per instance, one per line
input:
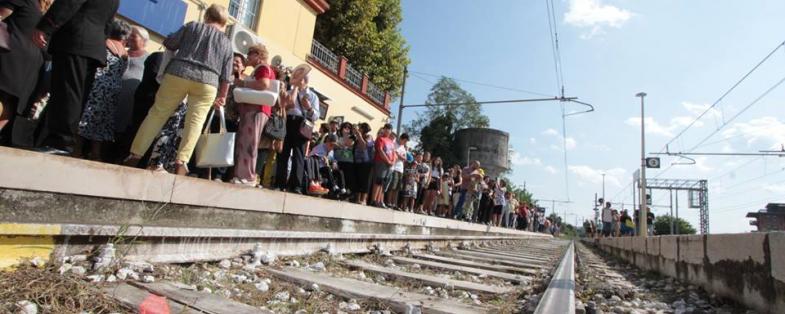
<point x="55" y="206"/>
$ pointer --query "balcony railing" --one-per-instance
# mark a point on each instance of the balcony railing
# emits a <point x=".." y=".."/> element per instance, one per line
<point x="376" y="93"/>
<point x="352" y="78"/>
<point x="324" y="56"/>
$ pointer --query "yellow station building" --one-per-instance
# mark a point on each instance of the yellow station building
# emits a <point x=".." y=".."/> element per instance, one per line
<point x="286" y="27"/>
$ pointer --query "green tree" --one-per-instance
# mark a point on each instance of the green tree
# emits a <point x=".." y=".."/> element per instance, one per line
<point x="366" y="32"/>
<point x="662" y="225"/>
<point x="447" y="91"/>
<point x="437" y="138"/>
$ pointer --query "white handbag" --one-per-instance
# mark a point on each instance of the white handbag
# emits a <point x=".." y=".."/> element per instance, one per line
<point x="215" y="150"/>
<point x="257" y="97"/>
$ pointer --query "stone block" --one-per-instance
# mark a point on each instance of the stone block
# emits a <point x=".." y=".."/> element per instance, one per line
<point x="200" y="192"/>
<point x="41" y="172"/>
<point x="653" y="246"/>
<point x="626" y="243"/>
<point x="669" y="248"/>
<point x="736" y="247"/>
<point x="777" y="253"/>
<point x="638" y="245"/>
<point x="691" y="249"/>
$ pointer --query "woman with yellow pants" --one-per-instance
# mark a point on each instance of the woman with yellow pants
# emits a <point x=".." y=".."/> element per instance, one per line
<point x="200" y="70"/>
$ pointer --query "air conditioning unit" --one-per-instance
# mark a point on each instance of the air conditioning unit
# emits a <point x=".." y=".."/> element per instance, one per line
<point x="242" y="38"/>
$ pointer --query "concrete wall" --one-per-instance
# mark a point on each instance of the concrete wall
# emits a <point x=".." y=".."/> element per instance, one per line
<point x="746" y="267"/>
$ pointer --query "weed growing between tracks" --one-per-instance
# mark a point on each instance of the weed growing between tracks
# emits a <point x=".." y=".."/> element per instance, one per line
<point x="52" y="292"/>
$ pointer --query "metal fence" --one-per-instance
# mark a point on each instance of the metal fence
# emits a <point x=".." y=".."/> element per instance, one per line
<point x="375" y="93"/>
<point x="354" y="77"/>
<point x="324" y="56"/>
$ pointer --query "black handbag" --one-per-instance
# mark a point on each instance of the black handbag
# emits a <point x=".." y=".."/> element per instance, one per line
<point x="275" y="127"/>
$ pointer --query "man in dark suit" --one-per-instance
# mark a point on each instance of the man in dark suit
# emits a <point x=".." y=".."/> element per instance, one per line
<point x="77" y="31"/>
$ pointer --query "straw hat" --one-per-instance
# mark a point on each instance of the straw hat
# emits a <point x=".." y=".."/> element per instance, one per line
<point x="300" y="71"/>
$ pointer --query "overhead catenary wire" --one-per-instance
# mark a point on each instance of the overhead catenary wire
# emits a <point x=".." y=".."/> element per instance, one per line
<point x="512" y="89"/>
<point x="716" y="102"/>
<point x="559" y="72"/>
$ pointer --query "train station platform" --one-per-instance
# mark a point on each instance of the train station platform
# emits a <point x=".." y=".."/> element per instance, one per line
<point x="54" y="206"/>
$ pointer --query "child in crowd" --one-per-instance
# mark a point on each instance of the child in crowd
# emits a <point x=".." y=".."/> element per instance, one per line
<point x="410" y="184"/>
<point x="443" y="203"/>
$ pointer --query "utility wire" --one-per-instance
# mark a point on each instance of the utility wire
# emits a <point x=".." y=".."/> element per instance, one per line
<point x="725" y="123"/>
<point x="731" y="89"/>
<point x="758" y="99"/>
<point x="557" y="65"/>
<point x="483" y="84"/>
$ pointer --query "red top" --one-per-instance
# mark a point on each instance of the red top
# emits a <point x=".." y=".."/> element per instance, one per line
<point x="384" y="145"/>
<point x="265" y="71"/>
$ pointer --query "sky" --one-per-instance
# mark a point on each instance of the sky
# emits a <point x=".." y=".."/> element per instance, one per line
<point x="684" y="54"/>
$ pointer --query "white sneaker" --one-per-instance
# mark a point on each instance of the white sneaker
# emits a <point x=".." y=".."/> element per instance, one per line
<point x="245" y="182"/>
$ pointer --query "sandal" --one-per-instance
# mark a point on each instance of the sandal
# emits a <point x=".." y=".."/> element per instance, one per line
<point x="180" y="168"/>
<point x="156" y="168"/>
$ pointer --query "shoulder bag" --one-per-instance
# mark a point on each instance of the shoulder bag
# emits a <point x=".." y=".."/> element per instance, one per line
<point x="215" y="150"/>
<point x="306" y="127"/>
<point x="276" y="125"/>
<point x="257" y="97"/>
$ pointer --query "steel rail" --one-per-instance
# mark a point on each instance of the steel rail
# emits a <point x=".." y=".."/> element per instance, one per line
<point x="559" y="297"/>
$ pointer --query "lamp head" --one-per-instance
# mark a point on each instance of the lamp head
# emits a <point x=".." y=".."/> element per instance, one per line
<point x="641" y="94"/>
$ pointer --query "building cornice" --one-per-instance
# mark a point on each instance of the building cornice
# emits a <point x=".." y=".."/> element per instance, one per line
<point x="320" y="6"/>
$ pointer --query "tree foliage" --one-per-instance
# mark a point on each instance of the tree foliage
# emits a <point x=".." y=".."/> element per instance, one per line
<point x="662" y="225"/>
<point x="366" y="32"/>
<point x="447" y="91"/>
<point x="437" y="138"/>
<point x="435" y="129"/>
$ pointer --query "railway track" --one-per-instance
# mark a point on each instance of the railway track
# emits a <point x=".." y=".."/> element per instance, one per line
<point x="511" y="276"/>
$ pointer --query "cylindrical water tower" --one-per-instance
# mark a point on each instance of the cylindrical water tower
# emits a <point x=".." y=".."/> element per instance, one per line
<point x="489" y="146"/>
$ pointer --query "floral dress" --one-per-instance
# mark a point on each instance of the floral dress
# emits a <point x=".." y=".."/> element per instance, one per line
<point x="165" y="146"/>
<point x="98" y="121"/>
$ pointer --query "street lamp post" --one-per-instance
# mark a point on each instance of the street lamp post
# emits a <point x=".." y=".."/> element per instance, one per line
<point x="644" y="207"/>
<point x="603" y="186"/>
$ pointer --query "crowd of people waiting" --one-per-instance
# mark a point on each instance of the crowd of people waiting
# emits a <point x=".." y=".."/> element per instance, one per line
<point x="615" y="223"/>
<point x="75" y="80"/>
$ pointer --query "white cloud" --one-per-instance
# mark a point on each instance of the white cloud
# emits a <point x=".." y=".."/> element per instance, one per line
<point x="570" y="143"/>
<point x="676" y="123"/>
<point x="588" y="174"/>
<point x="768" y="131"/>
<point x="551" y="170"/>
<point x="595" y="15"/>
<point x="532" y="140"/>
<point x="550" y="132"/>
<point x="519" y="160"/>
<point x="702" y="165"/>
